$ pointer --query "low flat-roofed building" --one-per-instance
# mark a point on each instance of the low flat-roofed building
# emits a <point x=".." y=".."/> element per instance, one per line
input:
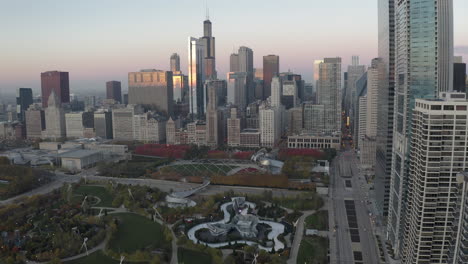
<point x="250" y="138"/>
<point x="315" y="141"/>
<point x="76" y="160"/>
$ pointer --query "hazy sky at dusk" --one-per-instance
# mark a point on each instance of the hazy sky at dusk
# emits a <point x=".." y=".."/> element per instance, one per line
<point x="100" y="40"/>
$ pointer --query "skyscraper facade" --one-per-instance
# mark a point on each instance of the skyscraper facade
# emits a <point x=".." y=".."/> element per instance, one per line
<point x="459" y="77"/>
<point x="55" y="81"/>
<point x="54" y="118"/>
<point x="212" y="113"/>
<point x="196" y="77"/>
<point x="175" y="62"/>
<point x="329" y="93"/>
<point x="234" y="62"/>
<point x="246" y="60"/>
<point x="209" y="59"/>
<point x="35" y="122"/>
<point x="383" y="157"/>
<point x="114" y="91"/>
<point x="153" y="88"/>
<point x="270" y="68"/>
<point x="181" y="85"/>
<point x="423" y="69"/>
<point x="24" y="99"/>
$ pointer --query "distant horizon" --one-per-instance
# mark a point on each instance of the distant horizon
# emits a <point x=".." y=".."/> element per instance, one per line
<point x="97" y="42"/>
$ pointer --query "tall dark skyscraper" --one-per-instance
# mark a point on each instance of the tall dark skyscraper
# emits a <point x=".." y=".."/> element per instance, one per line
<point x="459" y="77"/>
<point x="55" y="81"/>
<point x="270" y="69"/>
<point x="383" y="161"/>
<point x="209" y="50"/>
<point x="24" y="99"/>
<point x="114" y="90"/>
<point x="175" y="62"/>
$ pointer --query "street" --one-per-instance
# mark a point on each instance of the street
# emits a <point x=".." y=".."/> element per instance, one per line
<point x="353" y="240"/>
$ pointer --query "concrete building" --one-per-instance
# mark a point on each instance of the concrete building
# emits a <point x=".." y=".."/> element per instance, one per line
<point x="295" y="121"/>
<point x="355" y="71"/>
<point x="424" y="69"/>
<point x="234" y="62"/>
<point x="212" y="115"/>
<point x="149" y="128"/>
<point x="315" y="141"/>
<point x="103" y="125"/>
<point x="271" y="68"/>
<point x="114" y="91"/>
<point x="175" y="63"/>
<point x="250" y="138"/>
<point x="153" y="88"/>
<point x="270" y="125"/>
<point x="76" y="160"/>
<point x="329" y="93"/>
<point x="438" y="154"/>
<point x="54" y="119"/>
<point x="313" y="118"/>
<point x="276" y="91"/>
<point x="361" y="86"/>
<point x="35" y="122"/>
<point x="458" y="246"/>
<point x="122" y="122"/>
<point x="233" y="129"/>
<point x="55" y="81"/>
<point x="362" y="125"/>
<point x="77" y="123"/>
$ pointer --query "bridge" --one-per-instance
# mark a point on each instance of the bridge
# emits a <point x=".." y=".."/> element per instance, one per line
<point x="189" y="192"/>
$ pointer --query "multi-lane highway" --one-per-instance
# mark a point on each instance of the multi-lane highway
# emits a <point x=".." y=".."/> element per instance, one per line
<point x="352" y="239"/>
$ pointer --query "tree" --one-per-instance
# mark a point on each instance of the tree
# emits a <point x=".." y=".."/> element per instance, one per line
<point x="4" y="161"/>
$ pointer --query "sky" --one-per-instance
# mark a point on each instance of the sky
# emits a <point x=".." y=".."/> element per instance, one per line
<point x="101" y="40"/>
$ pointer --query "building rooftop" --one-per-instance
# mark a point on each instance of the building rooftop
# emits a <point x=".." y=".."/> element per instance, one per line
<point x="78" y="154"/>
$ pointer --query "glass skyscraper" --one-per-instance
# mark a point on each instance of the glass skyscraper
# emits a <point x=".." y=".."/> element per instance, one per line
<point x="423" y="69"/>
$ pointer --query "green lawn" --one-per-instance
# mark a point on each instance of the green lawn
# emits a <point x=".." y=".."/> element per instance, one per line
<point x="136" y="232"/>
<point x="97" y="257"/>
<point x="188" y="256"/>
<point x="309" y="201"/>
<point x="98" y="191"/>
<point x="313" y="250"/>
<point x="318" y="221"/>
<point x="193" y="169"/>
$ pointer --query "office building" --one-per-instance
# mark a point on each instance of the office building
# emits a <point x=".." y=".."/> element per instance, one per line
<point x="332" y="141"/>
<point x="270" y="124"/>
<point x="122" y="122"/>
<point x="246" y="60"/>
<point x="114" y="91"/>
<point x="459" y="248"/>
<point x="175" y="63"/>
<point x="329" y="93"/>
<point x="54" y="118"/>
<point x="55" y="81"/>
<point x="250" y="138"/>
<point x="237" y="89"/>
<point x="212" y="116"/>
<point x="233" y="129"/>
<point x="196" y="77"/>
<point x="424" y="70"/>
<point x="258" y="73"/>
<point x="181" y="87"/>
<point x="459" y="77"/>
<point x="153" y="88"/>
<point x="361" y="86"/>
<point x="35" y="121"/>
<point x="276" y="87"/>
<point x="289" y="97"/>
<point x="354" y="73"/>
<point x="234" y="62"/>
<point x="438" y="154"/>
<point x="208" y="45"/>
<point x="313" y="118"/>
<point x="149" y="128"/>
<point x="271" y="68"/>
<point x="103" y="125"/>
<point x="295" y="120"/>
<point x="77" y="123"/>
<point x="24" y="99"/>
<point x="383" y="159"/>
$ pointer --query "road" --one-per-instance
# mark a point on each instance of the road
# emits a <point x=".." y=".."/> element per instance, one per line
<point x="342" y="248"/>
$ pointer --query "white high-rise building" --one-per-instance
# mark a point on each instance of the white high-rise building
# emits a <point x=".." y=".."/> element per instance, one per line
<point x="122" y="123"/>
<point x="74" y="124"/>
<point x="424" y="69"/>
<point x="55" y="119"/>
<point x="276" y="91"/>
<point x="329" y="93"/>
<point x="438" y="153"/>
<point x="270" y="124"/>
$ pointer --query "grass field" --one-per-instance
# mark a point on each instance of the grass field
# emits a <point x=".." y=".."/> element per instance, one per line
<point x="313" y="250"/>
<point x="199" y="169"/>
<point x="98" y="191"/>
<point x="310" y="201"/>
<point x="97" y="257"/>
<point x="136" y="232"/>
<point x="318" y="221"/>
<point x="188" y="256"/>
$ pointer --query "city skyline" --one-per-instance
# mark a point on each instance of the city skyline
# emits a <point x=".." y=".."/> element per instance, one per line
<point x="73" y="39"/>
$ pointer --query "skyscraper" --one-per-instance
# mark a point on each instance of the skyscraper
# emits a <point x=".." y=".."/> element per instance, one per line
<point x="196" y="77"/>
<point x="329" y="93"/>
<point x="181" y="90"/>
<point x="153" y="88"/>
<point x="35" y="122"/>
<point x="270" y="69"/>
<point x="276" y="91"/>
<point x="246" y="60"/>
<point x="424" y="69"/>
<point x="54" y="118"/>
<point x="383" y="157"/>
<point x="438" y="154"/>
<point x="233" y="129"/>
<point x="114" y="91"/>
<point x="175" y="62"/>
<point x="234" y="62"/>
<point x="355" y="71"/>
<point x="237" y="89"/>
<point x="212" y="113"/>
<point x="23" y="100"/>
<point x="209" y="50"/>
<point x="459" y="77"/>
<point x="55" y="81"/>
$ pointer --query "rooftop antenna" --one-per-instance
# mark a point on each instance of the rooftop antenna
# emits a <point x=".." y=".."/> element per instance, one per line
<point x="207" y="11"/>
